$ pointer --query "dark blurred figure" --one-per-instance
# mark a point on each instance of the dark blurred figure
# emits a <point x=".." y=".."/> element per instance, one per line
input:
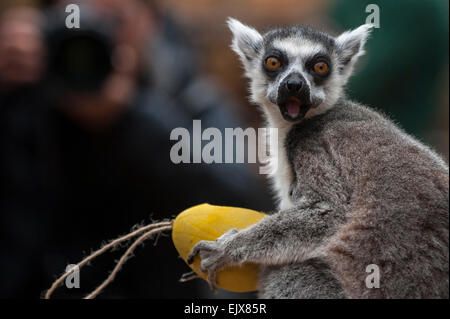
<point x="22" y="214"/>
<point x="406" y="66"/>
<point x="82" y="166"/>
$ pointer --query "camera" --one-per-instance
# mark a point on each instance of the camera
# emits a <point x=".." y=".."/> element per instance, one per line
<point x="79" y="59"/>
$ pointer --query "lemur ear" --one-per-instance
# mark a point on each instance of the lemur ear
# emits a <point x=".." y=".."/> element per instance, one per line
<point x="350" y="44"/>
<point x="247" y="42"/>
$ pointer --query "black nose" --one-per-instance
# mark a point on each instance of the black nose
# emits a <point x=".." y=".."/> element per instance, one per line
<point x="294" y="85"/>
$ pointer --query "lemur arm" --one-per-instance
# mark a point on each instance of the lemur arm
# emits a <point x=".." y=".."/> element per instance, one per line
<point x="293" y="235"/>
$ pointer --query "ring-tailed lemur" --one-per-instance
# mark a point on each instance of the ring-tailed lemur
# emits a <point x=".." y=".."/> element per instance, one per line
<point x="354" y="189"/>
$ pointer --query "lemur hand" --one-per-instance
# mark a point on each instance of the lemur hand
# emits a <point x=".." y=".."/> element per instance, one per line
<point x="214" y="255"/>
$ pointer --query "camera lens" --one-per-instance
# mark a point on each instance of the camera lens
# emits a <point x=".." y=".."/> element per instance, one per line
<point x="79" y="59"/>
<point x="82" y="62"/>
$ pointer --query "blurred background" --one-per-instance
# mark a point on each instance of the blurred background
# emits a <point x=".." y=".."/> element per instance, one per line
<point x="85" y="119"/>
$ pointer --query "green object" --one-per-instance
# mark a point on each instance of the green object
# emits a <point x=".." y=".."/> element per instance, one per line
<point x="406" y="58"/>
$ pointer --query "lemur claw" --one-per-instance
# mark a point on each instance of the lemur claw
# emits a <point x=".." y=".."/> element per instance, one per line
<point x="188" y="276"/>
<point x="213" y="256"/>
<point x="212" y="280"/>
<point x="199" y="249"/>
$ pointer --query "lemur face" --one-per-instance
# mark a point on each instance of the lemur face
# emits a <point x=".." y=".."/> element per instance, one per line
<point x="298" y="71"/>
<point x="297" y="68"/>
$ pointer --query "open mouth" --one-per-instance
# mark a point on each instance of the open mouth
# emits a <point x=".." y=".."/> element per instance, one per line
<point x="293" y="109"/>
<point x="293" y="106"/>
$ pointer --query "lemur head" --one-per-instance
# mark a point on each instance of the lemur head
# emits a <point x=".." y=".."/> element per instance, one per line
<point x="296" y="72"/>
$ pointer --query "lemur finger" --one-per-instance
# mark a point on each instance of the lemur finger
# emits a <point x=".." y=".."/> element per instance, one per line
<point x="214" y="262"/>
<point x="212" y="280"/>
<point x="201" y="245"/>
<point x="188" y="276"/>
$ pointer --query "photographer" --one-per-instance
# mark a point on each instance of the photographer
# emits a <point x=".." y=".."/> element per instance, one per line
<point x="99" y="131"/>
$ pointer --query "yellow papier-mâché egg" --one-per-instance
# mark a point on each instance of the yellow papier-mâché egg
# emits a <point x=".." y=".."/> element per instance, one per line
<point x="208" y="222"/>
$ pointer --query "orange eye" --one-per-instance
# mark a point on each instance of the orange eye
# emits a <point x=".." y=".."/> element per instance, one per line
<point x="321" y="68"/>
<point x="273" y="63"/>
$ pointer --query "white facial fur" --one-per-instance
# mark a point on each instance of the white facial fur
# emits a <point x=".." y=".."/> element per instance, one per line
<point x="249" y="45"/>
<point x="297" y="50"/>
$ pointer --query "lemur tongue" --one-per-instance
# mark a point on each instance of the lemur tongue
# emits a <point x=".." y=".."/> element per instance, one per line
<point x="293" y="106"/>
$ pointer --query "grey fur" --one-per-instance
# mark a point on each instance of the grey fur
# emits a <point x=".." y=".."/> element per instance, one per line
<point x="360" y="191"/>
